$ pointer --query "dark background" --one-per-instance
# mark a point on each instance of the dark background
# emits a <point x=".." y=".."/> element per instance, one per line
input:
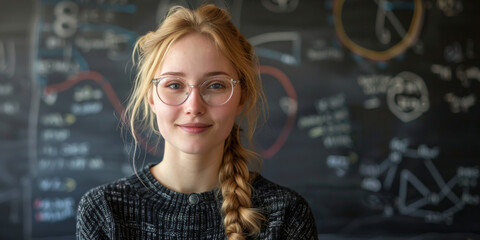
<point x="373" y="110"/>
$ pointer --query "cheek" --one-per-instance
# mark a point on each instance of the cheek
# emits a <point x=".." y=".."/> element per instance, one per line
<point x="165" y="117"/>
<point x="228" y="114"/>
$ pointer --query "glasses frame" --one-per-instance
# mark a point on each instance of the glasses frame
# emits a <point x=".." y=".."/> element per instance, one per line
<point x="156" y="81"/>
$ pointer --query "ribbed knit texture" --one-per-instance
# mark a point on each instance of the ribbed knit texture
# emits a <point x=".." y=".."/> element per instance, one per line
<point x="131" y="208"/>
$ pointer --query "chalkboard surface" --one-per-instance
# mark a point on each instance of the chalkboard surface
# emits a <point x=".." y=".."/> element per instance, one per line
<point x="373" y="109"/>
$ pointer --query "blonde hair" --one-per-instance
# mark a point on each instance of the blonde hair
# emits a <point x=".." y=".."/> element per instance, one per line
<point x="239" y="217"/>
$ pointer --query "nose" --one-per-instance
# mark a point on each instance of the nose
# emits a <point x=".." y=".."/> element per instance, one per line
<point x="194" y="105"/>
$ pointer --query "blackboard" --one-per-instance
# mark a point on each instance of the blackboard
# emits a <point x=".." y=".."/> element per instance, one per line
<point x="373" y="109"/>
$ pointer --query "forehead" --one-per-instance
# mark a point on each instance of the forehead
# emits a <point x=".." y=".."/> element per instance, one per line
<point x="195" y="55"/>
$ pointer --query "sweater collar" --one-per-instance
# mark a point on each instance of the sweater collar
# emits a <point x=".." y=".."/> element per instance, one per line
<point x="212" y="196"/>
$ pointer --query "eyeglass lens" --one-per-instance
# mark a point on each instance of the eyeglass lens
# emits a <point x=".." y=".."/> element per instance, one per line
<point x="175" y="91"/>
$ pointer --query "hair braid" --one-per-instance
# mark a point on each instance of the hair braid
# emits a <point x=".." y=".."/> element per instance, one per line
<point x="239" y="216"/>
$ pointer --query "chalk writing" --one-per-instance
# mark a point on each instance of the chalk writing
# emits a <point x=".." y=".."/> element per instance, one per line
<point x="371" y="184"/>
<point x="341" y="164"/>
<point x="54" y="134"/>
<point x="460" y="104"/>
<point x="97" y="15"/>
<point x="450" y="7"/>
<point x="444" y="72"/>
<point x="374" y="84"/>
<point x="320" y="51"/>
<point x="75" y="149"/>
<point x="106" y="41"/>
<point x="87" y="92"/>
<point x="9" y="108"/>
<point x="54" y="209"/>
<point x="70" y="34"/>
<point x="332" y="122"/>
<point x="74" y="163"/>
<point x="466" y="75"/>
<point x="456" y="53"/>
<point x="86" y="108"/>
<point x="56" y="184"/>
<point x="57" y="119"/>
<point x="65" y="24"/>
<point x="48" y="66"/>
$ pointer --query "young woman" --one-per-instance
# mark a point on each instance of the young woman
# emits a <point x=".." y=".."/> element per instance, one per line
<point x="197" y="82"/>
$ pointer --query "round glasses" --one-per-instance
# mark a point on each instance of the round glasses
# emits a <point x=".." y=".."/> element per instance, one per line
<point x="174" y="91"/>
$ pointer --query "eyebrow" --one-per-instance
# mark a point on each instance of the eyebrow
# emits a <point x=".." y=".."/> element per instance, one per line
<point x="209" y="74"/>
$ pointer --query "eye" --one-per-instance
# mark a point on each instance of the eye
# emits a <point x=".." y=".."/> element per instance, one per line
<point x="172" y="83"/>
<point x="173" y="86"/>
<point x="216" y="84"/>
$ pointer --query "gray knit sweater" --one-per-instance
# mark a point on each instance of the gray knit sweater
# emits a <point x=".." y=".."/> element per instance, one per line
<point x="134" y="209"/>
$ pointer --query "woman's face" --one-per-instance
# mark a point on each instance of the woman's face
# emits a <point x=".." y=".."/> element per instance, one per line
<point x="195" y="127"/>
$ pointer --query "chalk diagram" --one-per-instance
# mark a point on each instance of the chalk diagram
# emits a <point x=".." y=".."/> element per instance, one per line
<point x="51" y="92"/>
<point x="288" y="104"/>
<point x="407" y="96"/>
<point x="390" y="26"/>
<point x="289" y="58"/>
<point x="406" y="93"/>
<point x="436" y="202"/>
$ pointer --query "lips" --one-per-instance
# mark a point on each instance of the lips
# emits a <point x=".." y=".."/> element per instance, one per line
<point x="194" y="127"/>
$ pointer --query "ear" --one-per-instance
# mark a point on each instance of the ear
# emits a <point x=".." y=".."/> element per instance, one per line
<point x="150" y="100"/>
<point x="239" y="109"/>
<point x="241" y="103"/>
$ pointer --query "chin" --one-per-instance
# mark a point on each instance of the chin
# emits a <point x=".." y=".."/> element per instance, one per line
<point x="194" y="149"/>
<point x="203" y="147"/>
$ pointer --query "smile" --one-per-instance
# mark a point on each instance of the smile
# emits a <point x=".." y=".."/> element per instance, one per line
<point x="194" y="127"/>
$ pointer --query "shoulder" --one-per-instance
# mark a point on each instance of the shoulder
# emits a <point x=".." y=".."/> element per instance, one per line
<point x="95" y="200"/>
<point x="95" y="212"/>
<point x="99" y="199"/>
<point x="128" y="186"/>
<point x="93" y="215"/>
<point x="268" y="192"/>
<point x="286" y="211"/>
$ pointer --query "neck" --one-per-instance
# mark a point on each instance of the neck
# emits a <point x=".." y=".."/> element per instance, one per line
<point x="189" y="173"/>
